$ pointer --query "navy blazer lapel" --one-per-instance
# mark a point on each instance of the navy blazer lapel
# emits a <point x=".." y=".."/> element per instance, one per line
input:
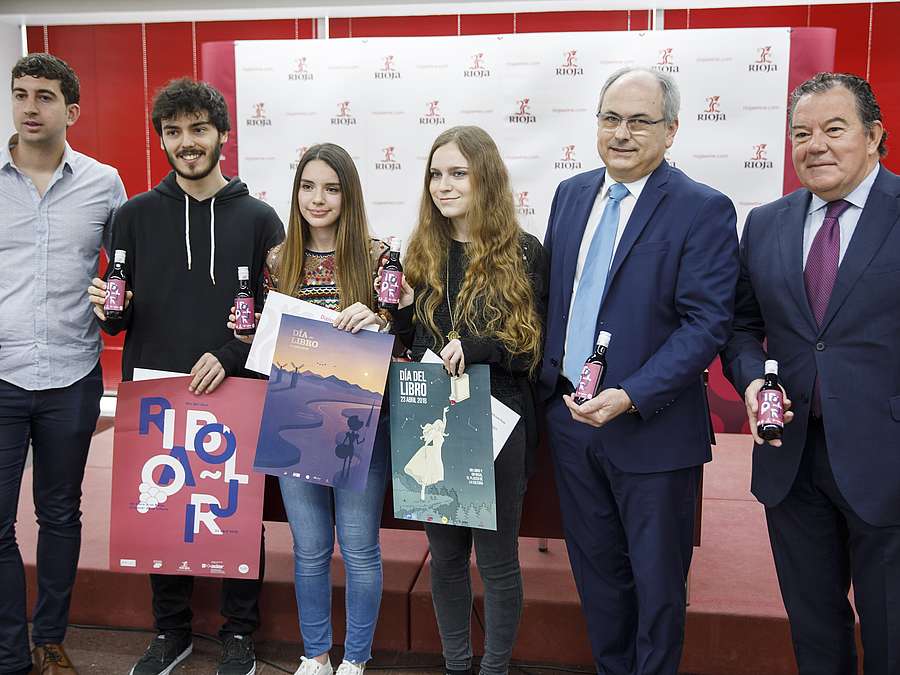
<point x="575" y="225"/>
<point x="650" y="198"/>
<point x="876" y="221"/>
<point x="789" y="225"/>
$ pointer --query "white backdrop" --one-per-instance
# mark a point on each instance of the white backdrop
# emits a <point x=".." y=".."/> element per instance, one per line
<point x="386" y="99"/>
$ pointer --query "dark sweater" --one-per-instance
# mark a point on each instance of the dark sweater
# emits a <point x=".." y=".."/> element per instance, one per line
<point x="509" y="374"/>
<point x="180" y="308"/>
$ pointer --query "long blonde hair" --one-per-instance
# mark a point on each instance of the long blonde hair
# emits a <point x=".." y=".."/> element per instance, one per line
<point x="352" y="258"/>
<point x="496" y="298"/>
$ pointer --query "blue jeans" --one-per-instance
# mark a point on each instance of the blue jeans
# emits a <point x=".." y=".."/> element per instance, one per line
<point x="59" y="423"/>
<point x="313" y="511"/>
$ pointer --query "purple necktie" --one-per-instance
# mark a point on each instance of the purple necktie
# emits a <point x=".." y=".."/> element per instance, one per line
<point x="821" y="272"/>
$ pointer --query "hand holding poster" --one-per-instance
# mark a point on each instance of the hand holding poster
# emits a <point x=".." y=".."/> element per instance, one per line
<point x="322" y="403"/>
<point x="442" y="454"/>
<point x="278" y="304"/>
<point x="184" y="497"/>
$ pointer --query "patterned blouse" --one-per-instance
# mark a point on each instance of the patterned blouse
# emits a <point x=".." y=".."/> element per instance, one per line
<point x="318" y="284"/>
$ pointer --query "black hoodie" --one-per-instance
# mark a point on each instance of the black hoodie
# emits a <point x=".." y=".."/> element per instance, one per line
<point x="181" y="263"/>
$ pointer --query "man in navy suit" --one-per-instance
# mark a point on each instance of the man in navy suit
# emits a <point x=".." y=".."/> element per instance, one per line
<point x="820" y="283"/>
<point x="645" y="253"/>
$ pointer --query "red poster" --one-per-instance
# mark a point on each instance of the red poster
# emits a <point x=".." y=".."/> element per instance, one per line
<point x="185" y="499"/>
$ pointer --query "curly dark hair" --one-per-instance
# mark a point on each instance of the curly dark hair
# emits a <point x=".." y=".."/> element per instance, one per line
<point x="185" y="96"/>
<point x="50" y="68"/>
<point x="866" y="106"/>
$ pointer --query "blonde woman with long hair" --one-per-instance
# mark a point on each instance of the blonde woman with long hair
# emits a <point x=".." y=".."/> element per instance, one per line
<point x="329" y="258"/>
<point x="476" y="294"/>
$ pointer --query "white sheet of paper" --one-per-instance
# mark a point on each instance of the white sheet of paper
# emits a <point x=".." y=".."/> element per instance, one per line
<point x="503" y="418"/>
<point x="141" y="374"/>
<point x="263" y="348"/>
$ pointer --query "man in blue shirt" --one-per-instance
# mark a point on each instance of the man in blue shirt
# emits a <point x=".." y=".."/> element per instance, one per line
<point x="56" y="209"/>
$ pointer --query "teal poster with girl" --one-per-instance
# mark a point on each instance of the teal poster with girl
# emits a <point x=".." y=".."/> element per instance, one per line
<point x="441" y="450"/>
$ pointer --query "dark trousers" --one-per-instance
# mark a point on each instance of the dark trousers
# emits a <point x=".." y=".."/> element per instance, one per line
<point x="239" y="601"/>
<point x="630" y="540"/>
<point x="497" y="558"/>
<point x="59" y="424"/>
<point x="819" y="545"/>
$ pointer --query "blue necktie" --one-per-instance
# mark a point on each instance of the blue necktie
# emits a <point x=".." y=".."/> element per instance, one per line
<point x="583" y="317"/>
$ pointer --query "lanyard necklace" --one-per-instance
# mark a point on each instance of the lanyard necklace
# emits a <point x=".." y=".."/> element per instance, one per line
<point x="453" y="334"/>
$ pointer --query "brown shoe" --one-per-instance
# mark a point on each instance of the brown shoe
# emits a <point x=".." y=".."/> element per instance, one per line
<point x="52" y="660"/>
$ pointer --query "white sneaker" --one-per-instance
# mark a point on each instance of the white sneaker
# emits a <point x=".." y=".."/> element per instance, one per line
<point x="313" y="667"/>
<point x="350" y="668"/>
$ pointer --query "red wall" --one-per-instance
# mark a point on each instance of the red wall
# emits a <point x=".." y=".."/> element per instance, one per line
<point x="120" y="66"/>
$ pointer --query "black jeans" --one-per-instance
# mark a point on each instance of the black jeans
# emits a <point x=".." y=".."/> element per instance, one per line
<point x="239" y="604"/>
<point x="59" y="424"/>
<point x="820" y="545"/>
<point x="497" y="557"/>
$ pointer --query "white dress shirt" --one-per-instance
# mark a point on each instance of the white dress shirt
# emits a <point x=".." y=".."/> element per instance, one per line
<point x="848" y="220"/>
<point x="626" y="207"/>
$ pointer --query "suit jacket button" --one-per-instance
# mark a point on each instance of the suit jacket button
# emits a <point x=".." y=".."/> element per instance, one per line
<point x="554" y="362"/>
<point x="820" y="346"/>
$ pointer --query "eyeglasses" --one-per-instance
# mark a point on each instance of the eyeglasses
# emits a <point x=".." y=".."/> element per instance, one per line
<point x="636" y="125"/>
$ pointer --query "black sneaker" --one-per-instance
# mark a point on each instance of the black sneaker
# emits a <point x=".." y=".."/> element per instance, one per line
<point x="165" y="652"/>
<point x="238" y="656"/>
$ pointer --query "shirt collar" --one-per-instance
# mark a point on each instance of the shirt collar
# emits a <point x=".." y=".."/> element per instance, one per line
<point x="5" y="153"/>
<point x="634" y="188"/>
<point x="6" y="159"/>
<point x="856" y="198"/>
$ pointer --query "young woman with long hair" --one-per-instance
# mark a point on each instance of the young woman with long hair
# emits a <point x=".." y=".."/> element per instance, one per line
<point x="476" y="294"/>
<point x="329" y="258"/>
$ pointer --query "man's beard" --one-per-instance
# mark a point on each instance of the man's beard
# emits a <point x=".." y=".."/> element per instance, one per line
<point x="213" y="156"/>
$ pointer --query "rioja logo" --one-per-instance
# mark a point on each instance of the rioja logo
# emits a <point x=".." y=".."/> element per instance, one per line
<point x="301" y="71"/>
<point x="387" y="70"/>
<point x="344" y="116"/>
<point x="570" y="65"/>
<point x="523" y="206"/>
<point x="763" y="63"/>
<point x="666" y="61"/>
<point x="712" y="112"/>
<point x="568" y="160"/>
<point x="259" y="118"/>
<point x="432" y="114"/>
<point x="523" y="114"/>
<point x="759" y="159"/>
<point x="389" y="162"/>
<point x="477" y="69"/>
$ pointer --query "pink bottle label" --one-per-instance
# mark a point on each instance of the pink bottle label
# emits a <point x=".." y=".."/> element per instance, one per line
<point x="587" y="386"/>
<point x="389" y="291"/>
<point x="244" y="318"/>
<point x="115" y="295"/>
<point x="771" y="407"/>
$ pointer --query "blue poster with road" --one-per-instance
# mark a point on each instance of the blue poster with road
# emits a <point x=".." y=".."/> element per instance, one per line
<point x="322" y="403"/>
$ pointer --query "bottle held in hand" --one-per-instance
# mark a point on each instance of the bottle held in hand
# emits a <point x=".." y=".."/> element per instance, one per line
<point x="770" y="406"/>
<point x="594" y="371"/>
<point x="391" y="282"/>
<point x="114" y="305"/>
<point x="244" y="316"/>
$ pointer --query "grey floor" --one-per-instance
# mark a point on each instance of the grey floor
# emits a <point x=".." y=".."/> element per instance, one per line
<point x="113" y="652"/>
<point x="105" y="652"/>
